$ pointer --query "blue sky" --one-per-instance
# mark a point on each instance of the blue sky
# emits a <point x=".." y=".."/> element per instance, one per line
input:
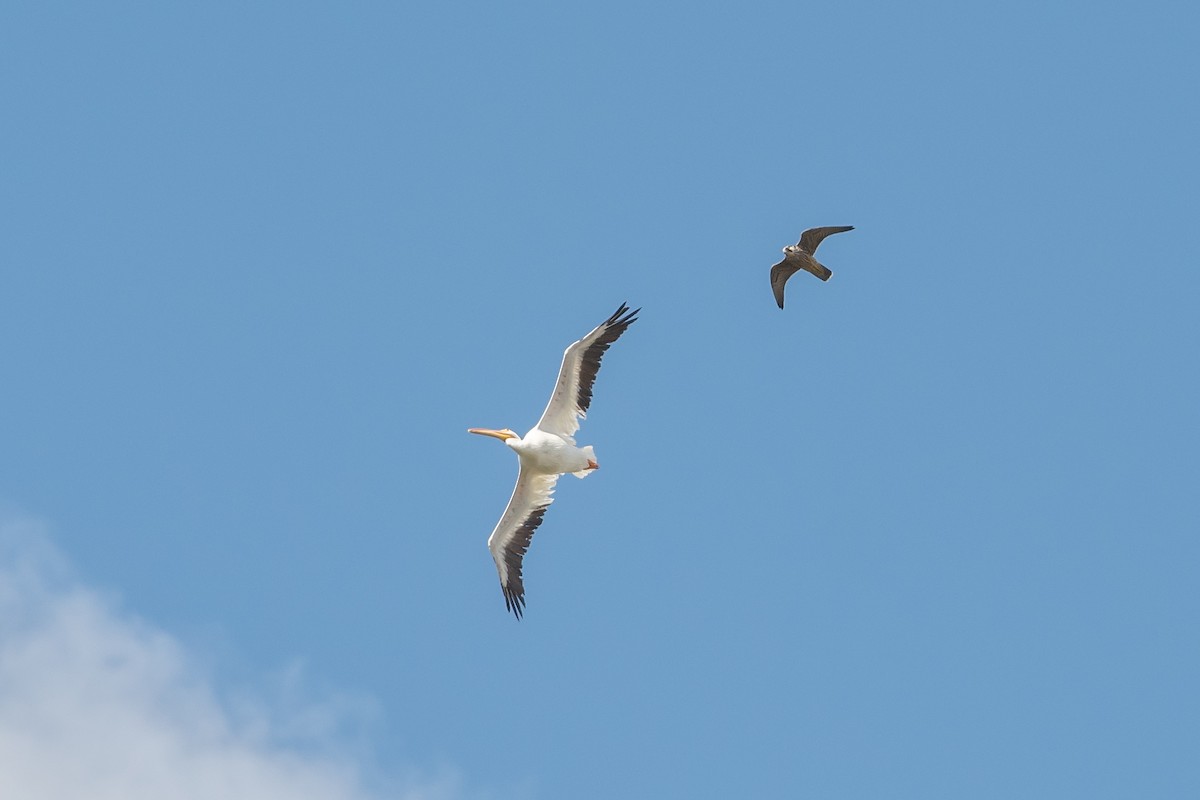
<point x="928" y="532"/>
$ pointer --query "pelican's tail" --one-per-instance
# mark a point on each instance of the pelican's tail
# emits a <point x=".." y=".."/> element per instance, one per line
<point x="591" y="455"/>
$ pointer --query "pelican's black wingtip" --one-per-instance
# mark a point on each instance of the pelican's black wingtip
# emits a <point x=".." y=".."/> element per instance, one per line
<point x="623" y="316"/>
<point x="514" y="602"/>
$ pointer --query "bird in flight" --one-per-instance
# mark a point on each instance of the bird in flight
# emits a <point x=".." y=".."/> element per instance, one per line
<point x="800" y="256"/>
<point x="549" y="450"/>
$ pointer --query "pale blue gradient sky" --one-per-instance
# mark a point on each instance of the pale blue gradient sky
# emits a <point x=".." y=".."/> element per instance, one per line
<point x="929" y="532"/>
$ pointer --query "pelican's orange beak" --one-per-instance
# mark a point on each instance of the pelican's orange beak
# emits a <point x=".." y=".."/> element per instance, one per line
<point x="502" y="435"/>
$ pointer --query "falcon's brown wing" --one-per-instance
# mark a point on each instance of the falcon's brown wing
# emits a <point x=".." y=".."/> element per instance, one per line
<point x="779" y="276"/>
<point x="812" y="238"/>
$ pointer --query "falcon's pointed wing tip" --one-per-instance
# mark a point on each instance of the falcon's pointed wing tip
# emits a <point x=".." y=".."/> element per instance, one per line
<point x="833" y="228"/>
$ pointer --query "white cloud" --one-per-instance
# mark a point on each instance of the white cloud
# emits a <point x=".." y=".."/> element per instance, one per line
<point x="97" y="704"/>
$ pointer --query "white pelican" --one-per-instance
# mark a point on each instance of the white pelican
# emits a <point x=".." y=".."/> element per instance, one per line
<point x="799" y="256"/>
<point x="547" y="451"/>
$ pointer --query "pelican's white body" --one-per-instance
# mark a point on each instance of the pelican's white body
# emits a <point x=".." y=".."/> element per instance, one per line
<point x="551" y="454"/>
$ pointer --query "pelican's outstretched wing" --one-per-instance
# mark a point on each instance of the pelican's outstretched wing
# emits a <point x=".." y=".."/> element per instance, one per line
<point x="514" y="532"/>
<point x="812" y="238"/>
<point x="573" y="392"/>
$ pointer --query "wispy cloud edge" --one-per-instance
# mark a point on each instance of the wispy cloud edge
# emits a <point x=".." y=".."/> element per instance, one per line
<point x="97" y="703"/>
